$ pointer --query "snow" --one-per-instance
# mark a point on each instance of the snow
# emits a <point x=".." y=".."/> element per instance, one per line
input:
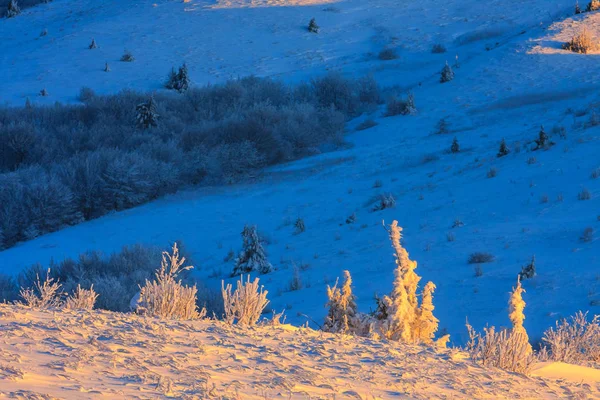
<point x="512" y="78"/>
<point x="567" y="372"/>
<point x="85" y="355"/>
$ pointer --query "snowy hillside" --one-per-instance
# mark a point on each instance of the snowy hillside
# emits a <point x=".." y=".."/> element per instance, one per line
<point x="513" y="77"/>
<point x="87" y="355"/>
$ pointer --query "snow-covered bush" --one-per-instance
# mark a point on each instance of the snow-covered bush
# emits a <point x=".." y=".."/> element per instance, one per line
<point x="507" y="349"/>
<point x="93" y="45"/>
<point x="81" y="299"/>
<point x="543" y="141"/>
<point x="503" y="149"/>
<point x="180" y="80"/>
<point x="166" y="296"/>
<point x="9" y="290"/>
<point x="253" y="256"/>
<point x="341" y="316"/>
<point x="245" y="305"/>
<point x="43" y="294"/>
<point x="447" y="74"/>
<point x="480" y="258"/>
<point x="575" y="340"/>
<point x="146" y="115"/>
<point x="313" y="27"/>
<point x="384" y="201"/>
<point x="583" y="42"/>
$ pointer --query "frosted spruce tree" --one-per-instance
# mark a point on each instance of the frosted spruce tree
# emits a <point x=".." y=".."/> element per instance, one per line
<point x="179" y="80"/>
<point x="503" y="149"/>
<point x="447" y="74"/>
<point x="427" y="323"/>
<point x="146" y="115"/>
<point x="312" y="26"/>
<point x="455" y="147"/>
<point x="341" y="317"/>
<point x="13" y="9"/>
<point x="528" y="271"/>
<point x="516" y="308"/>
<point x="401" y="307"/>
<point x="253" y="256"/>
<point x="93" y="45"/>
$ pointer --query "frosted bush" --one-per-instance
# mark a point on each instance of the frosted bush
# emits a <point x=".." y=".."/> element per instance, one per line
<point x="43" y="295"/>
<point x="167" y="297"/>
<point x="245" y="305"/>
<point x="81" y="299"/>
<point x="575" y="340"/>
<point x="583" y="42"/>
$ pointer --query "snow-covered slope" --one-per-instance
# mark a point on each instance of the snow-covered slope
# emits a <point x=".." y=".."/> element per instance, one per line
<point x="512" y="78"/>
<point x="100" y="354"/>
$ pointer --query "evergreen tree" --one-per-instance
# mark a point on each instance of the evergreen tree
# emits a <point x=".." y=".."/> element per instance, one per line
<point x="342" y="313"/>
<point x="503" y="149"/>
<point x="179" y="81"/>
<point x="427" y="324"/>
<point x="447" y="74"/>
<point x="577" y="9"/>
<point x="528" y="271"/>
<point x="93" y="45"/>
<point x="253" y="256"/>
<point x="543" y="141"/>
<point x="312" y="26"/>
<point x="28" y="105"/>
<point x="516" y="306"/>
<point x="146" y="116"/>
<point x="409" y="106"/>
<point x="106" y="67"/>
<point x="13" y="9"/>
<point x="455" y="148"/>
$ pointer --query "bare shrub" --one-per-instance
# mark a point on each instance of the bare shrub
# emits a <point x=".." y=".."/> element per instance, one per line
<point x="127" y="56"/>
<point x="595" y="173"/>
<point x="492" y="172"/>
<point x="584" y="194"/>
<point x="438" y="48"/>
<point x="299" y="226"/>
<point x="296" y="281"/>
<point x="167" y="297"/>
<point x="575" y="340"/>
<point x="43" y="295"/>
<point x="388" y="54"/>
<point x="478" y="271"/>
<point x="587" y="235"/>
<point x="245" y="305"/>
<point x="581" y="43"/>
<point x="81" y="299"/>
<point x="480" y="258"/>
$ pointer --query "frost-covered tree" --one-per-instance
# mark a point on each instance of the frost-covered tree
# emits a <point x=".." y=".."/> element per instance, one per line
<point x="447" y="74"/>
<point x="146" y="115"/>
<point x="516" y="314"/>
<point x="401" y="307"/>
<point x="342" y="313"/>
<point x="503" y="149"/>
<point x="312" y="26"/>
<point x="253" y="256"/>
<point x="106" y="67"/>
<point x="167" y="297"/>
<point x="577" y="8"/>
<point x="455" y="147"/>
<point x="179" y="80"/>
<point x="427" y="323"/>
<point x="13" y="9"/>
<point x="93" y="45"/>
